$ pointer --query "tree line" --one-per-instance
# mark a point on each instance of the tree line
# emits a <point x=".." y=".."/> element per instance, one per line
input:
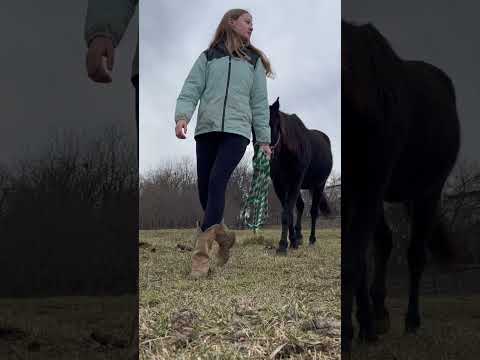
<point x="169" y="196"/>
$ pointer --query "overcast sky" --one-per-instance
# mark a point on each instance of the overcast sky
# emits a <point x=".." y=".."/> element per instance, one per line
<point x="301" y="38"/>
<point x="441" y="32"/>
<point x="45" y="91"/>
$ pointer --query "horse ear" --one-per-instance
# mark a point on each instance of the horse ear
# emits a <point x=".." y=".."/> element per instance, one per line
<point x="276" y="105"/>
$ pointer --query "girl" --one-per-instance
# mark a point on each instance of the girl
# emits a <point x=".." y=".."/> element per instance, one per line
<point x="229" y="79"/>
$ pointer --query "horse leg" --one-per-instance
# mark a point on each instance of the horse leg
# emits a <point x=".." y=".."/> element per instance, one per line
<point x="314" y="214"/>
<point x="360" y="223"/>
<point x="382" y="249"/>
<point x="292" y="198"/>
<point x="298" y="225"/>
<point x="364" y="311"/>
<point x="364" y="227"/>
<point x="424" y="212"/>
<point x="287" y="223"/>
<point x="282" y="196"/>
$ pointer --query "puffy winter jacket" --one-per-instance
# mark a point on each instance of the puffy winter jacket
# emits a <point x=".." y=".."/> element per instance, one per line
<point x="110" y="18"/>
<point x="232" y="94"/>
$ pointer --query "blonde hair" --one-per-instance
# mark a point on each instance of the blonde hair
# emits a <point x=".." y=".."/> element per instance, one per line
<point x="233" y="41"/>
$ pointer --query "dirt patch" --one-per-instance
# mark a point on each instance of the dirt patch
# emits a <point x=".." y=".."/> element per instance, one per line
<point x="181" y="247"/>
<point x="323" y="326"/>
<point x="183" y="324"/>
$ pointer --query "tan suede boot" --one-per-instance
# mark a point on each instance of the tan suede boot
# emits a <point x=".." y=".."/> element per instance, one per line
<point x="200" y="257"/>
<point x="225" y="239"/>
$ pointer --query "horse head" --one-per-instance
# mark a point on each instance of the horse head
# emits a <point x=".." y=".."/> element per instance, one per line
<point x="370" y="70"/>
<point x="275" y="124"/>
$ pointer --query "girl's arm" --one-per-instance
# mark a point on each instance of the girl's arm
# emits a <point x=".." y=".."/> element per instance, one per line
<point x="108" y="18"/>
<point x="259" y="105"/>
<point x="192" y="90"/>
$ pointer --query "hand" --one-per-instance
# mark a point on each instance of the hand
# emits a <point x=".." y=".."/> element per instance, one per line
<point x="267" y="150"/>
<point x="100" y="47"/>
<point x="181" y="129"/>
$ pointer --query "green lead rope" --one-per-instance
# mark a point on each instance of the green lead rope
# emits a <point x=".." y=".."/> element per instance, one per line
<point x="255" y="209"/>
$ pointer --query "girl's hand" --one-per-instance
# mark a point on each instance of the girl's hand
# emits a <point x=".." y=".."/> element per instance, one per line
<point x="100" y="48"/>
<point x="181" y="129"/>
<point x="267" y="150"/>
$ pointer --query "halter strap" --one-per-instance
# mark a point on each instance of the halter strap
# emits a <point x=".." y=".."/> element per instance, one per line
<point x="276" y="144"/>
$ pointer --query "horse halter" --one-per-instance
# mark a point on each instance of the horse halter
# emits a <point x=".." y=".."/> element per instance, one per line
<point x="276" y="144"/>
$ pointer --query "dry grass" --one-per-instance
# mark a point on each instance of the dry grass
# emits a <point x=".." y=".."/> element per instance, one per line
<point x="66" y="328"/>
<point x="258" y="306"/>
<point x="449" y="331"/>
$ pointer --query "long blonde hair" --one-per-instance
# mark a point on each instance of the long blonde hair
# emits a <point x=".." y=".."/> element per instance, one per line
<point x="233" y="42"/>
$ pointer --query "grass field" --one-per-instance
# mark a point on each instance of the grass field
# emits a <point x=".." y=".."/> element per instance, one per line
<point x="258" y="306"/>
<point x="66" y="328"/>
<point x="450" y="330"/>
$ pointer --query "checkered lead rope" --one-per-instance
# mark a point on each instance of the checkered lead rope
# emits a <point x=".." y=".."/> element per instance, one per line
<point x="255" y="208"/>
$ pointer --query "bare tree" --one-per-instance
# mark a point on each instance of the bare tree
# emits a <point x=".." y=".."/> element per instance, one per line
<point x="461" y="194"/>
<point x="72" y="215"/>
<point x="169" y="197"/>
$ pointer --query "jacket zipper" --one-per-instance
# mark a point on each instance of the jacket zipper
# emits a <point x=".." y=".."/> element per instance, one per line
<point x="226" y="92"/>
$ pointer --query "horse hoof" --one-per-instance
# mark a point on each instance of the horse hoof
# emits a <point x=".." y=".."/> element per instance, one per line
<point x="410" y="330"/>
<point x="281" y="252"/>
<point x="412" y="323"/>
<point x="382" y="325"/>
<point x="299" y="239"/>
<point x="311" y="244"/>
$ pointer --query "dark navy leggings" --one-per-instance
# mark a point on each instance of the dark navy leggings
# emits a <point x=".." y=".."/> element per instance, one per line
<point x="218" y="154"/>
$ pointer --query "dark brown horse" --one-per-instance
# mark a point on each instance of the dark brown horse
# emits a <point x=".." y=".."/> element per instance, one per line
<point x="400" y="132"/>
<point x="302" y="159"/>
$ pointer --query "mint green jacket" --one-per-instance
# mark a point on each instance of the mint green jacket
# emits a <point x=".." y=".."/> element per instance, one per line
<point x="110" y="18"/>
<point x="232" y="94"/>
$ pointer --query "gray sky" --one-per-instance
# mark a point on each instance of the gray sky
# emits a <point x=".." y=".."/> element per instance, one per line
<point x="301" y="38"/>
<point x="45" y="90"/>
<point x="442" y="32"/>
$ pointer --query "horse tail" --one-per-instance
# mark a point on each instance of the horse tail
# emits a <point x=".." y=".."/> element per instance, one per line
<point x="324" y="206"/>
<point x="441" y="246"/>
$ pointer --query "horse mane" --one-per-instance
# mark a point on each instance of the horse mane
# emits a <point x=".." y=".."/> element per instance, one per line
<point x="373" y="56"/>
<point x="294" y="134"/>
<point x="382" y="54"/>
<point x="327" y="139"/>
